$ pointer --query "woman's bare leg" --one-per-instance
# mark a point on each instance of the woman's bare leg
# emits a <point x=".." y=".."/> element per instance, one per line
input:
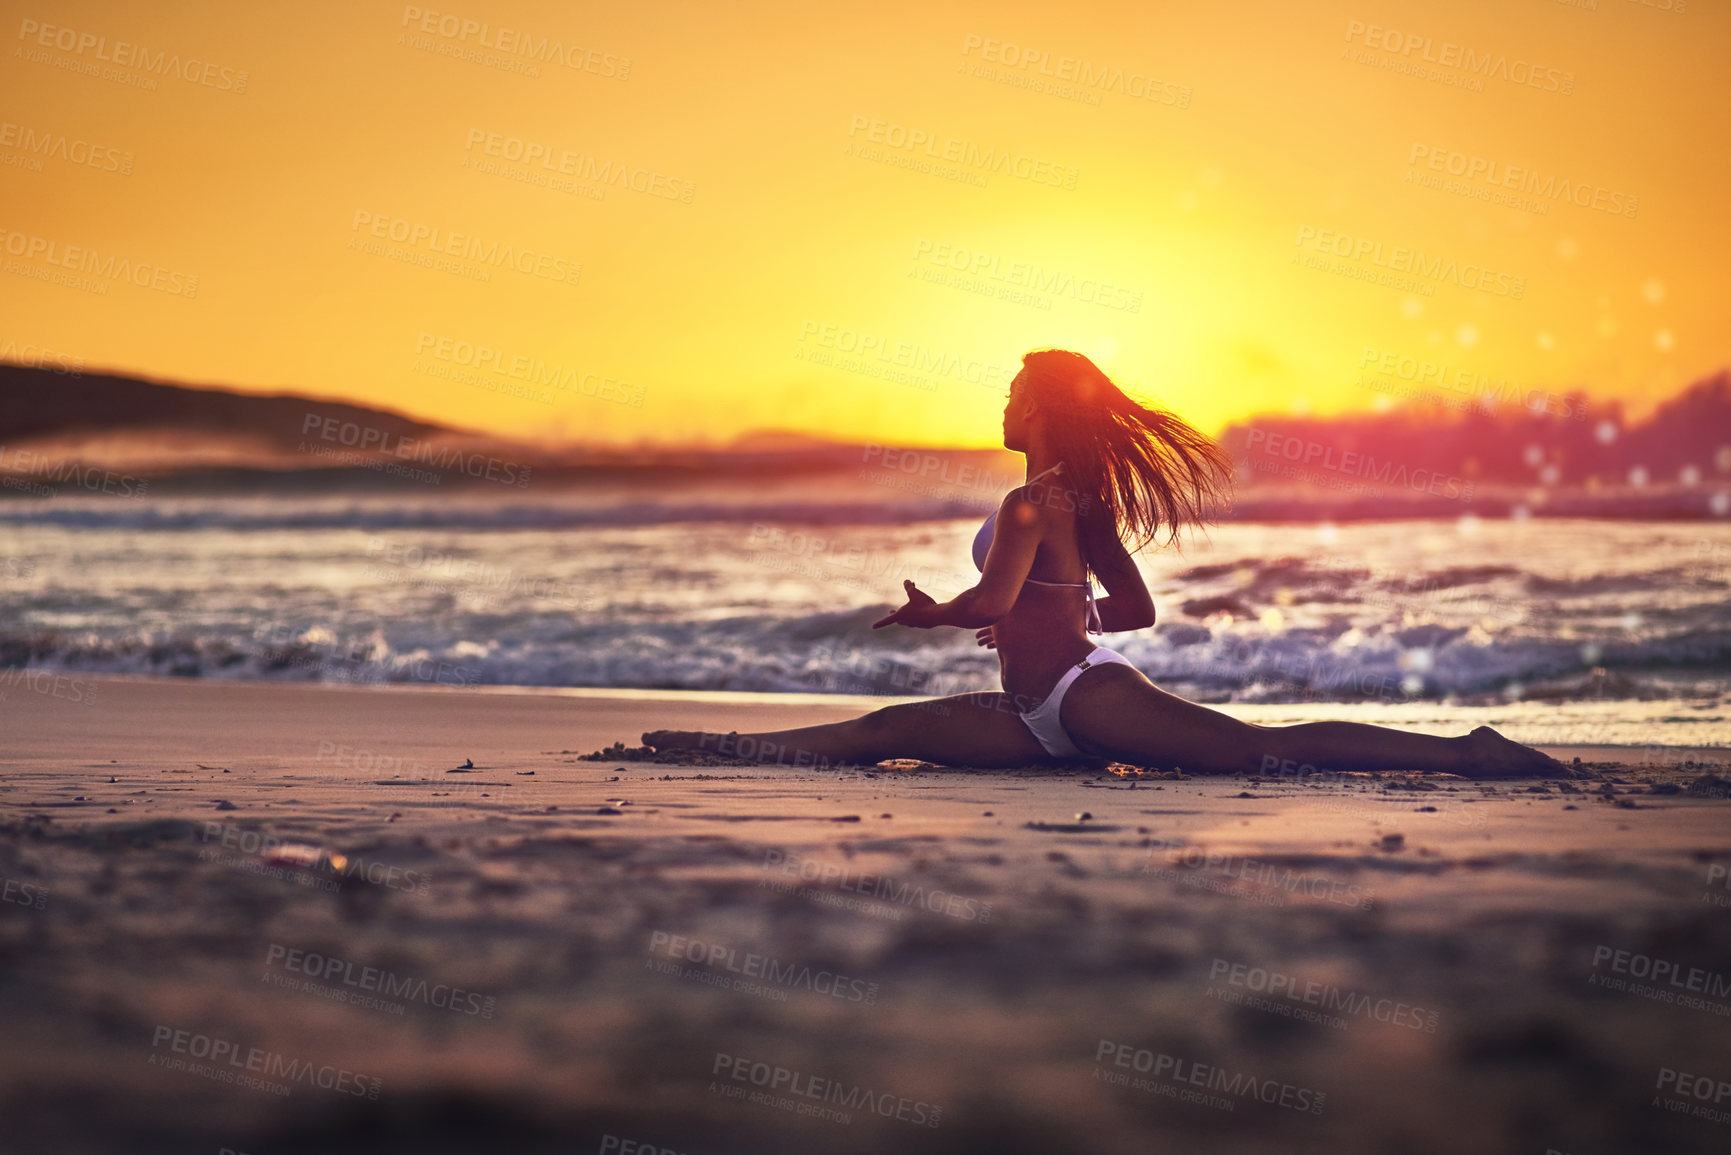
<point x="978" y="729"/>
<point x="1484" y="753"/>
<point x="1115" y="711"/>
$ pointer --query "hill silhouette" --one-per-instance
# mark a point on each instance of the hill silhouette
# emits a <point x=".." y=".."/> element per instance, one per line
<point x="1361" y="464"/>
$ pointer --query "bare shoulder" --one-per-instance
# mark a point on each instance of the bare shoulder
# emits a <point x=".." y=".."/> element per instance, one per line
<point x="1022" y="507"/>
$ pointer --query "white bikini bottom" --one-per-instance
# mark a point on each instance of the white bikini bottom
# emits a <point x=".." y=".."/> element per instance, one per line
<point x="1042" y="720"/>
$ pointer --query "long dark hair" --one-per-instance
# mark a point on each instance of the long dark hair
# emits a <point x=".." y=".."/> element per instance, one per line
<point x="1142" y="465"/>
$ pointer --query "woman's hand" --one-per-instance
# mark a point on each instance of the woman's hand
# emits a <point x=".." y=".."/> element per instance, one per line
<point x="918" y="613"/>
<point x="986" y="638"/>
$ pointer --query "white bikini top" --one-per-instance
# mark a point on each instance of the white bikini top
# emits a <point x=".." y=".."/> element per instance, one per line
<point x="983" y="544"/>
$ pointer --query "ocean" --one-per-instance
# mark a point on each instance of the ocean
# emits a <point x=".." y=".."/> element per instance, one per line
<point x="773" y="589"/>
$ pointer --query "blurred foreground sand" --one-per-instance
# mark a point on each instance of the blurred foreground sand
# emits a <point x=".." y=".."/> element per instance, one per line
<point x="550" y="954"/>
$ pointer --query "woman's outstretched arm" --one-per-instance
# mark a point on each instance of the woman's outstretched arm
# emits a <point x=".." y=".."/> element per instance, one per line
<point x="1014" y="542"/>
<point x="923" y="612"/>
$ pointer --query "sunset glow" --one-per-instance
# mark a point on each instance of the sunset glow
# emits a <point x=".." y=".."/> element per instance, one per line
<point x="673" y="223"/>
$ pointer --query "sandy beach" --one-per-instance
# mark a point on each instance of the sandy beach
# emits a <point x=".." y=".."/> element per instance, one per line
<point x="288" y="918"/>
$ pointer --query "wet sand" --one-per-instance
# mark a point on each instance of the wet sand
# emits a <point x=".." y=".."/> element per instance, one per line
<point x="216" y="893"/>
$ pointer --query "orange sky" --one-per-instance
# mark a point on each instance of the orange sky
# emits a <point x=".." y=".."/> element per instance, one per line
<point x="813" y="184"/>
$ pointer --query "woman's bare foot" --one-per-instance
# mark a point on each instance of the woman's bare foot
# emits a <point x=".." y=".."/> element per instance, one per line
<point x="686" y="739"/>
<point x="1490" y="755"/>
<point x="672" y="739"/>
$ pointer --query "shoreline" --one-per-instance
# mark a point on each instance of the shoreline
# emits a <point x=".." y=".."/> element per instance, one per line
<point x="607" y="715"/>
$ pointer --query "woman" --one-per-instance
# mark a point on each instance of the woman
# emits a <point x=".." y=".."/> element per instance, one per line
<point x="1096" y="460"/>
